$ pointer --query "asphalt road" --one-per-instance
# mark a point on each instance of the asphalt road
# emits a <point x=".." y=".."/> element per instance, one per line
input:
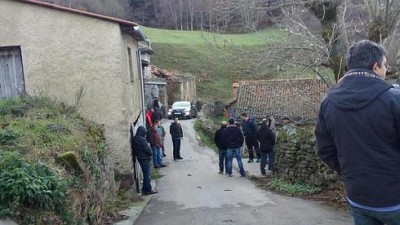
<point x="191" y="192"/>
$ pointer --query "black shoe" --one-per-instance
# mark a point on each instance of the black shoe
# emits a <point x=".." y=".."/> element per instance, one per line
<point x="150" y="193"/>
<point x="156" y="167"/>
<point x="163" y="154"/>
<point x="163" y="166"/>
<point x="179" y="157"/>
<point x="220" y="172"/>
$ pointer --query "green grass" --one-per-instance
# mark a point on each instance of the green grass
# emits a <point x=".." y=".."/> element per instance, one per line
<point x="199" y="37"/>
<point x="213" y="58"/>
<point x="281" y="185"/>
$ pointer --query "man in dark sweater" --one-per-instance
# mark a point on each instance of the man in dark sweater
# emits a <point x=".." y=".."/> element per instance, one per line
<point x="175" y="129"/>
<point x="249" y="129"/>
<point x="358" y="135"/>
<point x="220" y="142"/>
<point x="234" y="139"/>
<point x="267" y="142"/>
<point x="142" y="152"/>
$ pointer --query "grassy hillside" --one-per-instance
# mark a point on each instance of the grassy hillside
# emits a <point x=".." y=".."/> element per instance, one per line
<point x="209" y="57"/>
<point x="51" y="163"/>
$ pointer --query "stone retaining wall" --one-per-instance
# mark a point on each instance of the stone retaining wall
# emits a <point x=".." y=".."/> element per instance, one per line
<point x="296" y="158"/>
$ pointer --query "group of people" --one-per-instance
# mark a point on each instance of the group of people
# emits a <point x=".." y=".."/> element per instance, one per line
<point x="148" y="144"/>
<point x="229" y="139"/>
<point x="358" y="136"/>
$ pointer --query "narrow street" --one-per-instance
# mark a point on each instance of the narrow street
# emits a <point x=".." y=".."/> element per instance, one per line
<point x="191" y="192"/>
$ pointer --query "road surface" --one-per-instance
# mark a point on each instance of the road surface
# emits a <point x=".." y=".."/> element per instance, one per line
<point x="191" y="192"/>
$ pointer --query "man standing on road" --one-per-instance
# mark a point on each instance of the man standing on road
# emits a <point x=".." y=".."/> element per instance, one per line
<point x="142" y="152"/>
<point x="249" y="129"/>
<point x="234" y="139"/>
<point x="358" y="135"/>
<point x="220" y="142"/>
<point x="266" y="137"/>
<point x="175" y="129"/>
<point x="153" y="137"/>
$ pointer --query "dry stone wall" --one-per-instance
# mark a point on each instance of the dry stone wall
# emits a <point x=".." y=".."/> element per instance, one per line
<point x="296" y="158"/>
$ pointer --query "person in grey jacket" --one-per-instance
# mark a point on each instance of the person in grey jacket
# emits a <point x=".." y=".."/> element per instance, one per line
<point x="142" y="152"/>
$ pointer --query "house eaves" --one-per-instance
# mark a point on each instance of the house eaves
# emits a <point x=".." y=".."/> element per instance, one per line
<point x="129" y="27"/>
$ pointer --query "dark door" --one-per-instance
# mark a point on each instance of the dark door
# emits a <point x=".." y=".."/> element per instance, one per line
<point x="11" y="73"/>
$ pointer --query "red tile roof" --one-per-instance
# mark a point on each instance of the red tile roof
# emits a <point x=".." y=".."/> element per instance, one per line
<point x="298" y="99"/>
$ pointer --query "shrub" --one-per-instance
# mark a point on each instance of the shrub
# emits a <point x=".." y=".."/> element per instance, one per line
<point x="8" y="137"/>
<point x="31" y="185"/>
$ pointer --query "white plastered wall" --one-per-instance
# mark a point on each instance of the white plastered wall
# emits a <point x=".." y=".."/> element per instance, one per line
<point x="63" y="53"/>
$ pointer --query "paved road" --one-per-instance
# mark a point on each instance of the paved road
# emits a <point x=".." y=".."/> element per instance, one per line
<point x="191" y="192"/>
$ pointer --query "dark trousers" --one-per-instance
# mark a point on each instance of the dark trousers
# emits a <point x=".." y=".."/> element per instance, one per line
<point x="176" y="142"/>
<point x="267" y="158"/>
<point x="252" y="144"/>
<point x="222" y="160"/>
<point x="145" y="165"/>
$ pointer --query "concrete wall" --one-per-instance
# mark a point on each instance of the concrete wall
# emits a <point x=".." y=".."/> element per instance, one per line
<point x="64" y="53"/>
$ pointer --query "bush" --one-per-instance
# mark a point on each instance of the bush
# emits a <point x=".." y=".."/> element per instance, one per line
<point x="8" y="137"/>
<point x="30" y="185"/>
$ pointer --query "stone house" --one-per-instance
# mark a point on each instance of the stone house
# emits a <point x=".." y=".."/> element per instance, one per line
<point x="79" y="58"/>
<point x="298" y="99"/>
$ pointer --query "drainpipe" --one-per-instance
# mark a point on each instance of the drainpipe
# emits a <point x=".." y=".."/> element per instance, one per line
<point x="139" y="57"/>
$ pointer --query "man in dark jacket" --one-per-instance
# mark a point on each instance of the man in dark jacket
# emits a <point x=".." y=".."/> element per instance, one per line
<point x="175" y="129"/>
<point x="249" y="129"/>
<point x="142" y="152"/>
<point x="358" y="135"/>
<point x="266" y="137"/>
<point x="234" y="139"/>
<point x="220" y="142"/>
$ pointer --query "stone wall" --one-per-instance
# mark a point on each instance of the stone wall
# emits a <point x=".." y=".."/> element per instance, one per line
<point x="296" y="158"/>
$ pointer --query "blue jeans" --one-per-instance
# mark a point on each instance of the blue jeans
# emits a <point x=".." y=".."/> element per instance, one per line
<point x="368" y="217"/>
<point x="222" y="160"/>
<point x="145" y="165"/>
<point x="234" y="152"/>
<point x="157" y="156"/>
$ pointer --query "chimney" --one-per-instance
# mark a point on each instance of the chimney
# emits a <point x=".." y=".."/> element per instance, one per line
<point x="235" y="87"/>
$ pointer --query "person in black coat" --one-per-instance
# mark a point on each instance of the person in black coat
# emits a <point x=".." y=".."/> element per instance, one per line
<point x="266" y="137"/>
<point x="358" y="135"/>
<point x="249" y="130"/>
<point x="220" y="142"/>
<point x="175" y="129"/>
<point x="142" y="152"/>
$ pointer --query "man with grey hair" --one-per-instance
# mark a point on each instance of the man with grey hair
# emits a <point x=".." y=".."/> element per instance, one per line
<point x="358" y="135"/>
<point x="220" y="142"/>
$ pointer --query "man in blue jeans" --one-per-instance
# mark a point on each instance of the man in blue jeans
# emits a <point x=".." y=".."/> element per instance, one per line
<point x="358" y="136"/>
<point x="234" y="139"/>
<point x="142" y="152"/>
